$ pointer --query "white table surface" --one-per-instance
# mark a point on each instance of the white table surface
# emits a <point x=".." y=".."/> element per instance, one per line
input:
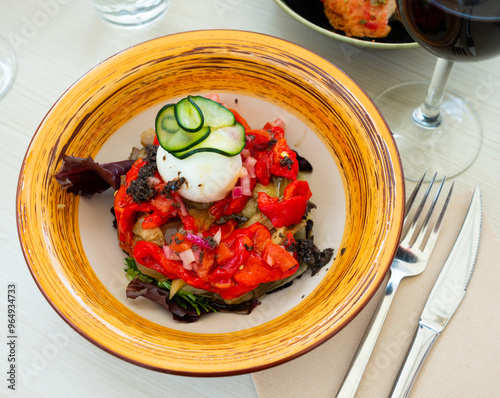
<point x="56" y="42"/>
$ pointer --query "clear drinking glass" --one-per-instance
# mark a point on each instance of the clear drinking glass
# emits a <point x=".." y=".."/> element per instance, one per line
<point x="435" y="128"/>
<point x="131" y="13"/>
<point x="7" y="66"/>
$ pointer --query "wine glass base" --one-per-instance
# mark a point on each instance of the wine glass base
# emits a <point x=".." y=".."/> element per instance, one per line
<point x="447" y="149"/>
<point x="7" y="66"/>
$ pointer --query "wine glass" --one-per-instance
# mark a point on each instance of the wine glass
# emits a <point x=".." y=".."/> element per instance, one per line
<point x="434" y="128"/>
<point x="7" y="66"/>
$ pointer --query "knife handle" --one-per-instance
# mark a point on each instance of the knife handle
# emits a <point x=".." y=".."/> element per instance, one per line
<point x="422" y="342"/>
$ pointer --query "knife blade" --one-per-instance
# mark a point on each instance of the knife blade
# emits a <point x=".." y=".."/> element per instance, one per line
<point x="445" y="297"/>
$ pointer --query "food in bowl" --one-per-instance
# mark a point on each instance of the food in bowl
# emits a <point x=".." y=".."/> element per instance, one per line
<point x="357" y="183"/>
<point x="212" y="213"/>
<point x="361" y="18"/>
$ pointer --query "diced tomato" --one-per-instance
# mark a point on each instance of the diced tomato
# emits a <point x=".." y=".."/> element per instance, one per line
<point x="223" y="253"/>
<point x="277" y="256"/>
<point x="206" y="264"/>
<point x="179" y="243"/>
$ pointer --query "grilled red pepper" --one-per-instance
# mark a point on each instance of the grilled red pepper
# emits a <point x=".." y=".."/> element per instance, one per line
<point x="253" y="259"/>
<point x="159" y="209"/>
<point x="285" y="162"/>
<point x="244" y="257"/>
<point x="274" y="157"/>
<point x="230" y="205"/>
<point x="290" y="209"/>
<point x="263" y="166"/>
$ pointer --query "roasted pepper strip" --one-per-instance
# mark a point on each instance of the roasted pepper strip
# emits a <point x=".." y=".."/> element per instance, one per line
<point x="263" y="166"/>
<point x="158" y="209"/>
<point x="187" y="220"/>
<point x="274" y="157"/>
<point x="151" y="256"/>
<point x="240" y="119"/>
<point x="297" y="188"/>
<point x="230" y="205"/>
<point x="285" y="162"/>
<point x="258" y="139"/>
<point x="254" y="259"/>
<point x="288" y="211"/>
<point x="284" y="213"/>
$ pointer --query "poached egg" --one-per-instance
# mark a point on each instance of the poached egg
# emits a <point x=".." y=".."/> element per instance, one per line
<point x="209" y="176"/>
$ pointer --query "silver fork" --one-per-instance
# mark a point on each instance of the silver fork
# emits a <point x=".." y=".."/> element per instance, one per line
<point x="411" y="259"/>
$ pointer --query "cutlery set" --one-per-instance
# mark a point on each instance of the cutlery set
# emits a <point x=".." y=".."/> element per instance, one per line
<point x="411" y="259"/>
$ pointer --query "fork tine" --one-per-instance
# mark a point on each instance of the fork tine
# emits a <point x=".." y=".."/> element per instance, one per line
<point x="413" y="224"/>
<point x="425" y="226"/>
<point x="435" y="232"/>
<point x="411" y="199"/>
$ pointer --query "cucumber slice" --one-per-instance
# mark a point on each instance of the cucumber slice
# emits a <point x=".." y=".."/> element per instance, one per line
<point x="171" y="136"/>
<point x="188" y="115"/>
<point x="227" y="141"/>
<point x="215" y="114"/>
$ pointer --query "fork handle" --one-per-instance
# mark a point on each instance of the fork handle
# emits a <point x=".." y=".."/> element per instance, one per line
<point x="365" y="348"/>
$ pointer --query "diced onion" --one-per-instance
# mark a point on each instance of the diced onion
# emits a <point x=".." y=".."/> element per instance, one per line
<point x="188" y="267"/>
<point x="170" y="254"/>
<point x="250" y="161"/>
<point x="278" y="123"/>
<point x="198" y="240"/>
<point x="249" y="165"/>
<point x="245" y="153"/>
<point x="187" y="257"/>
<point x="182" y="209"/>
<point x="196" y="254"/>
<point x="152" y="181"/>
<point x="218" y="236"/>
<point x="237" y="192"/>
<point x="246" y="189"/>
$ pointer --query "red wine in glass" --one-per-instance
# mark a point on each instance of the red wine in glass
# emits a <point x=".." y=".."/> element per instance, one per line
<point x="458" y="30"/>
<point x="437" y="129"/>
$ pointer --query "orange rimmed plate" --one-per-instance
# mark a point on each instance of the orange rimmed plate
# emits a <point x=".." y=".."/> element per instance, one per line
<point x="70" y="246"/>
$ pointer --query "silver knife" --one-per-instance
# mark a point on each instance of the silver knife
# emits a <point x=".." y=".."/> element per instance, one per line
<point x="445" y="297"/>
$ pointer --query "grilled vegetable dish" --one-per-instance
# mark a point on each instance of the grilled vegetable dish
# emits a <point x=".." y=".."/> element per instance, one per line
<point x="211" y="213"/>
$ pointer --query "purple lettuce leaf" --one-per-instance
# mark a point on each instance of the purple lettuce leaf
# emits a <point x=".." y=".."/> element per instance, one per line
<point x="185" y="313"/>
<point x="137" y="288"/>
<point x="85" y="177"/>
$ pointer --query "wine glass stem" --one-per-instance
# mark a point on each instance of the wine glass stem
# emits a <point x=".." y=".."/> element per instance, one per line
<point x="427" y="114"/>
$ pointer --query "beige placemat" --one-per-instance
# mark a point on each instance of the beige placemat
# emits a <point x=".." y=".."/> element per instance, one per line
<point x="464" y="362"/>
